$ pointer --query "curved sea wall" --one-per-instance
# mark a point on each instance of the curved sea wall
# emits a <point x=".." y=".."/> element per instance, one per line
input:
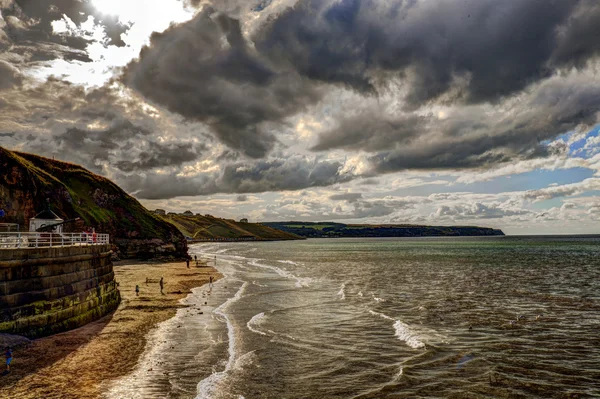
<point x="44" y="291"/>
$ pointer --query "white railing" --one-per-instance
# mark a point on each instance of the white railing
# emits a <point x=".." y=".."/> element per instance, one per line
<point x="35" y="239"/>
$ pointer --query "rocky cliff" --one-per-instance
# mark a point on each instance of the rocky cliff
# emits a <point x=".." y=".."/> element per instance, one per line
<point x="27" y="180"/>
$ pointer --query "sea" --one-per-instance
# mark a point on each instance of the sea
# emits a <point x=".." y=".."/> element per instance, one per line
<point x="462" y="317"/>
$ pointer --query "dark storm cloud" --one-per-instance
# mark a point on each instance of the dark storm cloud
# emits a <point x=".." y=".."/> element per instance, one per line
<point x="96" y="128"/>
<point x="232" y="7"/>
<point x="96" y="145"/>
<point x="510" y="77"/>
<point x="474" y="136"/>
<point x="206" y="71"/>
<point x="38" y="15"/>
<point x="478" y="210"/>
<point x="27" y="37"/>
<point x="293" y="173"/>
<point x="315" y="209"/>
<point x="159" y="155"/>
<point x="228" y="155"/>
<point x="482" y="49"/>
<point x="126" y="146"/>
<point x="466" y="52"/>
<point x="9" y="76"/>
<point x="369" y="131"/>
<point x="350" y="197"/>
<point x="579" y="38"/>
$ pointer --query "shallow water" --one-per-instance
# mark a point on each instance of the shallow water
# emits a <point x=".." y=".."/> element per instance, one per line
<point x="385" y="318"/>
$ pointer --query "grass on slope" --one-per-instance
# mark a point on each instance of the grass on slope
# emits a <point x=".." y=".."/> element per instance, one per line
<point x="208" y="227"/>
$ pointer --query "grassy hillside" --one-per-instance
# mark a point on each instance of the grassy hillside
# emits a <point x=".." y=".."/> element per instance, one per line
<point x="208" y="227"/>
<point x="27" y="180"/>
<point x="329" y="229"/>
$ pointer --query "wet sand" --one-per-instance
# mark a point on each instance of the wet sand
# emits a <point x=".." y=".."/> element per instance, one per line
<point x="82" y="362"/>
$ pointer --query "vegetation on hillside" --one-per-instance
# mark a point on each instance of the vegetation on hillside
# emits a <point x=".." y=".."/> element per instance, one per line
<point x="208" y="227"/>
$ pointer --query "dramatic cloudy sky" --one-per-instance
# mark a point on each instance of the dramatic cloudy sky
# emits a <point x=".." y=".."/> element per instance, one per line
<point x="374" y="111"/>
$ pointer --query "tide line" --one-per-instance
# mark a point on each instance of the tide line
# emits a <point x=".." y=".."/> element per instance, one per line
<point x="208" y="386"/>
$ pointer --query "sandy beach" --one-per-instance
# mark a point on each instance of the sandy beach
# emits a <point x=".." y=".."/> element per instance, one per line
<point x="79" y="363"/>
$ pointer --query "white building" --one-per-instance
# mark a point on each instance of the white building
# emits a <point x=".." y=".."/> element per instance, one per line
<point x="46" y="218"/>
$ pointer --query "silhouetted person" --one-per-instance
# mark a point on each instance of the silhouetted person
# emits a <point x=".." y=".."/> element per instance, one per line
<point x="137" y="290"/>
<point x="9" y="356"/>
<point x="210" y="281"/>
<point x="187" y="262"/>
<point x="162" y="285"/>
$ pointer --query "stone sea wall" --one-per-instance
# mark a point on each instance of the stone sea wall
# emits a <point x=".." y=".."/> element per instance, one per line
<point x="44" y="291"/>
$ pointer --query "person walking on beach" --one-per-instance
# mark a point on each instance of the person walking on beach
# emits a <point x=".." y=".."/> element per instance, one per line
<point x="210" y="281"/>
<point x="187" y="262"/>
<point x="8" y="354"/>
<point x="162" y="285"/>
<point x="137" y="290"/>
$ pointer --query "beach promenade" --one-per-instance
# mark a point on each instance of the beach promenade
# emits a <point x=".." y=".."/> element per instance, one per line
<point x="80" y="363"/>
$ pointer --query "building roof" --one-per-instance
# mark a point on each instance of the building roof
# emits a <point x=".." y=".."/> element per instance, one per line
<point x="47" y="214"/>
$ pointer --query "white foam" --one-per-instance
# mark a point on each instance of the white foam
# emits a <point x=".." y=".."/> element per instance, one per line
<point x="300" y="281"/>
<point x="399" y="373"/>
<point x="384" y="316"/>
<point x="289" y="262"/>
<point x="402" y="331"/>
<point x="209" y="386"/>
<point x="254" y="322"/>
<point x="360" y="294"/>
<point x="247" y="359"/>
<point x="342" y="292"/>
<point x="378" y="299"/>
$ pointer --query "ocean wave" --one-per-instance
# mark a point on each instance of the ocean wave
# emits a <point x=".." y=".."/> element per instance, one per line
<point x="254" y="322"/>
<point x="247" y="359"/>
<point x="342" y="292"/>
<point x="289" y="262"/>
<point x="402" y="331"/>
<point x="300" y="281"/>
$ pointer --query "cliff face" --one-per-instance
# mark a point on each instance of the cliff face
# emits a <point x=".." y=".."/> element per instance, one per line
<point x="27" y="180"/>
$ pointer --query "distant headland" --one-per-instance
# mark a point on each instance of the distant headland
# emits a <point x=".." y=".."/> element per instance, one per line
<point x="331" y="230"/>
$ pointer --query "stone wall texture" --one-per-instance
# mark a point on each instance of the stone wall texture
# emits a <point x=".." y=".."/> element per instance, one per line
<point x="44" y="291"/>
